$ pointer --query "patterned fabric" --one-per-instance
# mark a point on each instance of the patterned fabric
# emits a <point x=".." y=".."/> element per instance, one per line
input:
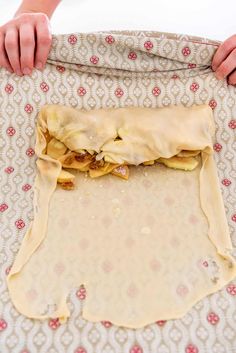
<point x="95" y="70"/>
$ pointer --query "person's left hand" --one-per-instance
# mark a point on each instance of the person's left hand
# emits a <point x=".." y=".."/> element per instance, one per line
<point x="224" y="60"/>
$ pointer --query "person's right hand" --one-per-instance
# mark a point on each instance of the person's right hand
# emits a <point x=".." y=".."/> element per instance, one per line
<point x="25" y="42"/>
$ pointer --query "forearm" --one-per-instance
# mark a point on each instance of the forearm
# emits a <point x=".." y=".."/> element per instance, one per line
<point x="44" y="6"/>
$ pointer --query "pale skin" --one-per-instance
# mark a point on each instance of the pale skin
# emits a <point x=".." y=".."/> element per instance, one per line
<point x="25" y="42"/>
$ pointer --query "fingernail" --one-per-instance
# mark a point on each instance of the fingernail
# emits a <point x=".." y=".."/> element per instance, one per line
<point x="26" y="71"/>
<point x="39" y="66"/>
<point x="213" y="67"/>
<point x="18" y="72"/>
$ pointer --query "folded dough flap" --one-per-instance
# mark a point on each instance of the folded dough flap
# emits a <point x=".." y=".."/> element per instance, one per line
<point x="134" y="234"/>
<point x="131" y="135"/>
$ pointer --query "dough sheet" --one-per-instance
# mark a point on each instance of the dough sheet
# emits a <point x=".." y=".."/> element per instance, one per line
<point x="146" y="248"/>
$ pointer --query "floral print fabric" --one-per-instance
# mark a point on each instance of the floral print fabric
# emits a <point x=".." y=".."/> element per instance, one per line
<point x="93" y="70"/>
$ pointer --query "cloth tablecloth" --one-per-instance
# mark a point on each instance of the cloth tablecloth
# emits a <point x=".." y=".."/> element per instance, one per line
<point x="95" y="70"/>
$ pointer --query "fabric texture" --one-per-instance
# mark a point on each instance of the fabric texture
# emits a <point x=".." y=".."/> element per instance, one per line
<point x="116" y="69"/>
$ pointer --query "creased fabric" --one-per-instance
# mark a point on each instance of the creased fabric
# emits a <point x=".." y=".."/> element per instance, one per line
<point x="116" y="69"/>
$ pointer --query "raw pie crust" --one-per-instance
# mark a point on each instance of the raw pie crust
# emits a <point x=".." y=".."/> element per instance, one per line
<point x="146" y="245"/>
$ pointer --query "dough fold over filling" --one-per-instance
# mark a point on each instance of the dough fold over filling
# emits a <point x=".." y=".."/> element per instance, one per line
<point x="143" y="227"/>
<point x="97" y="162"/>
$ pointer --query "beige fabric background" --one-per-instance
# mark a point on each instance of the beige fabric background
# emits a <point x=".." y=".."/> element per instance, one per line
<point x="93" y="70"/>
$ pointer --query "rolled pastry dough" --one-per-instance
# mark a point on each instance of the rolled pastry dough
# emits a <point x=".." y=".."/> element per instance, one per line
<point x="146" y="248"/>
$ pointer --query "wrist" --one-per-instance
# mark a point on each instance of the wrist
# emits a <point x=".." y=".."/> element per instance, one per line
<point x="41" y="6"/>
<point x="22" y="11"/>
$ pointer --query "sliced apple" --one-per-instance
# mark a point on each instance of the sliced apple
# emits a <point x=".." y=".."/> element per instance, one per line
<point x="149" y="162"/>
<point x="184" y="163"/>
<point x="76" y="160"/>
<point x="66" y="180"/>
<point x="105" y="169"/>
<point x="56" y="148"/>
<point x="187" y="153"/>
<point x="121" y="171"/>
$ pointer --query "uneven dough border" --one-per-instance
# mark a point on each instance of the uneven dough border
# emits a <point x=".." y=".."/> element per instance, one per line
<point x="218" y="233"/>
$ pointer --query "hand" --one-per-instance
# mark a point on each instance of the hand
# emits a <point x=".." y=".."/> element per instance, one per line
<point x="224" y="60"/>
<point x="25" y="42"/>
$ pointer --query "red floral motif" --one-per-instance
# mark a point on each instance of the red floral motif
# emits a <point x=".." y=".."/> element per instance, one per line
<point x="54" y="323"/>
<point x="232" y="124"/>
<point x="231" y="289"/>
<point x="81" y="293"/>
<point x="8" y="269"/>
<point x="191" y="66"/>
<point x="136" y="349"/>
<point x="106" y="323"/>
<point x="94" y="59"/>
<point x="20" y="223"/>
<point x="175" y="76"/>
<point x="30" y="152"/>
<point x="156" y="91"/>
<point x="81" y="91"/>
<point x="25" y="351"/>
<point x="110" y="39"/>
<point x="148" y="45"/>
<point x="3" y="207"/>
<point x="11" y="131"/>
<point x="72" y="39"/>
<point x="26" y="187"/>
<point x="161" y="322"/>
<point x="9" y="170"/>
<point x="205" y="263"/>
<point x="217" y="147"/>
<point x="234" y="217"/>
<point x="60" y="68"/>
<point x="132" y="55"/>
<point x="9" y="88"/>
<point x="3" y="324"/>
<point x="28" y="108"/>
<point x="119" y="92"/>
<point x="186" y="51"/>
<point x="212" y="104"/>
<point x="182" y="290"/>
<point x="226" y="182"/>
<point x="191" y="348"/>
<point x="80" y="350"/>
<point x="194" y="86"/>
<point x="44" y="86"/>
<point x="213" y="318"/>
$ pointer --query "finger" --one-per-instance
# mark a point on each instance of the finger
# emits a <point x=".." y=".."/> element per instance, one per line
<point x="4" y="62"/>
<point x="232" y="78"/>
<point x="27" y="45"/>
<point x="223" y="51"/>
<point x="228" y="65"/>
<point x="12" y="49"/>
<point x="43" y="44"/>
